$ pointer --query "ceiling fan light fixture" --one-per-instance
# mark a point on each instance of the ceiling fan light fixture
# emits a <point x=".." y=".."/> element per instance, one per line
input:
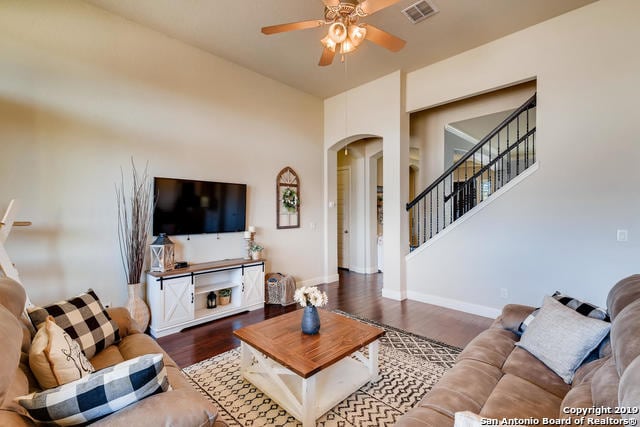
<point x="328" y="43"/>
<point x="357" y="34"/>
<point x="337" y="32"/>
<point x="347" y="46"/>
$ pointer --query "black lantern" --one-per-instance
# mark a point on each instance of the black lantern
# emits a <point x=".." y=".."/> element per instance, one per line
<point x="211" y="300"/>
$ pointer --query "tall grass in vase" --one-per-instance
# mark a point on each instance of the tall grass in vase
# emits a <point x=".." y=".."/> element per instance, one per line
<point x="134" y="223"/>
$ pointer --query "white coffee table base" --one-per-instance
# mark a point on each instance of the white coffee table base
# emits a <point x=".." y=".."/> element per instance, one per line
<point x="308" y="399"/>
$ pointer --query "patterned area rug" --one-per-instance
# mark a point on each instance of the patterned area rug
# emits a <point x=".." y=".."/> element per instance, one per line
<point x="409" y="366"/>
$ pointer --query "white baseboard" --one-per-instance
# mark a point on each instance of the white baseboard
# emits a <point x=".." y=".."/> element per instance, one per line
<point x="393" y="294"/>
<point x="318" y="280"/>
<point x="467" y="307"/>
<point x="364" y="270"/>
<point x="332" y="278"/>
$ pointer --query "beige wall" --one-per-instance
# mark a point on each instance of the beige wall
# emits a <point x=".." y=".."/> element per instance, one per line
<point x="81" y="91"/>
<point x="557" y="228"/>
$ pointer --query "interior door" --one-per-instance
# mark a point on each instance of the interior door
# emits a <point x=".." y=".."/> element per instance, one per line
<point x="344" y="182"/>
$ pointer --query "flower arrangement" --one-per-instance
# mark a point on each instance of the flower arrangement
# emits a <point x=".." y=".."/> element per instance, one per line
<point x="310" y="296"/>
<point x="290" y="199"/>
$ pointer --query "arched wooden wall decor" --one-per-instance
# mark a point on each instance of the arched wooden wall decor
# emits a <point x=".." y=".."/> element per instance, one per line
<point x="288" y="199"/>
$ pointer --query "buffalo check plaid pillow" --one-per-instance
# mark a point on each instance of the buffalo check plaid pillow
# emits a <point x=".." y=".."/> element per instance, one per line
<point x="583" y="308"/>
<point x="84" y="319"/>
<point x="100" y="393"/>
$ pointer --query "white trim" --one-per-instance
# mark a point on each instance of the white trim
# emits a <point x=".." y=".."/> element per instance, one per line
<point x="364" y="270"/>
<point x="461" y="134"/>
<point x="318" y="280"/>
<point x="396" y="295"/>
<point x="508" y="186"/>
<point x="347" y="209"/>
<point x="480" y="310"/>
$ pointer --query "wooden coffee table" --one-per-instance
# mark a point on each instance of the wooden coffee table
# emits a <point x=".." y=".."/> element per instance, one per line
<point x="309" y="374"/>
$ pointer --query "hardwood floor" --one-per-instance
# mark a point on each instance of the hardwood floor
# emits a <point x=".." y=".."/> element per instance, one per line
<point x="358" y="294"/>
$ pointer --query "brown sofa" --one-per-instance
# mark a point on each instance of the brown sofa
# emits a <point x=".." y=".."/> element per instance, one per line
<point x="494" y="378"/>
<point x="181" y="406"/>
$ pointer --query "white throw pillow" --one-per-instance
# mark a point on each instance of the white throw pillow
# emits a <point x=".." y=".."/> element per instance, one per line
<point x="55" y="358"/>
<point x="561" y="338"/>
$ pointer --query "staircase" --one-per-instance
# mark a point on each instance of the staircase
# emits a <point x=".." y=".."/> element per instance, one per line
<point x="502" y="155"/>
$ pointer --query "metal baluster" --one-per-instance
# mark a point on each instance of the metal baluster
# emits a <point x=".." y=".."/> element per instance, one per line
<point x="424" y="204"/>
<point x="473" y="168"/>
<point x="534" y="146"/>
<point x="518" y="145"/>
<point x="444" y="203"/>
<point x="508" y="155"/>
<point x="437" y="208"/>
<point x="481" y="166"/>
<point x="526" y="143"/>
<point x="452" y="198"/>
<point x="501" y="162"/>
<point x="430" y="214"/>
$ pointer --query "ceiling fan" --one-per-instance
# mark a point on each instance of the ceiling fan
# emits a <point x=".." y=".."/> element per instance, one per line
<point x="345" y="32"/>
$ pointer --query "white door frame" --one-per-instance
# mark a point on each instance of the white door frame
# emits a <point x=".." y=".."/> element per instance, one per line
<point x="346" y="209"/>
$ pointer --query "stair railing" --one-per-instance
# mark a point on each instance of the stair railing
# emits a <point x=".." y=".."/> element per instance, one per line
<point x="495" y="160"/>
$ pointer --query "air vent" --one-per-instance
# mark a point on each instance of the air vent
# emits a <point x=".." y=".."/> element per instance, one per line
<point x="420" y="11"/>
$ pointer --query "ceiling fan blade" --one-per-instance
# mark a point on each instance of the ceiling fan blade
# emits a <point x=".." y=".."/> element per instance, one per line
<point x="293" y="26"/>
<point x="327" y="57"/>
<point x="331" y="3"/>
<point x="372" y="6"/>
<point x="384" y="39"/>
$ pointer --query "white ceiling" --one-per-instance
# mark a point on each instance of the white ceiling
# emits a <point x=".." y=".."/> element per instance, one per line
<point x="231" y="29"/>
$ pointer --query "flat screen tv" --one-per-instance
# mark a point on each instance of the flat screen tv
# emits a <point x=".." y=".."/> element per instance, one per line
<point x="184" y="206"/>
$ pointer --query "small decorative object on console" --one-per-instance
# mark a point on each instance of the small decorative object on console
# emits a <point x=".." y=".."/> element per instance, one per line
<point x="249" y="243"/>
<point x="162" y="254"/>
<point x="211" y="300"/>
<point x="310" y="298"/>
<point x="255" y="249"/>
<point x="224" y="296"/>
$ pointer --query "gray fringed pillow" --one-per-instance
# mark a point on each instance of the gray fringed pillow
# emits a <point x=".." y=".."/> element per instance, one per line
<point x="561" y="338"/>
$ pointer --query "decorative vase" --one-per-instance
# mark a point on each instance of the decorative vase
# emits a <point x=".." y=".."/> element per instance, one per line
<point x="137" y="307"/>
<point x="310" y="320"/>
<point x="256" y="255"/>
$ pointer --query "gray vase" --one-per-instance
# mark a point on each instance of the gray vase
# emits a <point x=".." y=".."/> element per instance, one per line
<point x="310" y="320"/>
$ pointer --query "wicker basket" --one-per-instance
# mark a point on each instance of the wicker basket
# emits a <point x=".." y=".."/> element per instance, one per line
<point x="279" y="289"/>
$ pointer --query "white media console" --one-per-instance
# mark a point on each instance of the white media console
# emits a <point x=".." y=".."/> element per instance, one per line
<point x="178" y="298"/>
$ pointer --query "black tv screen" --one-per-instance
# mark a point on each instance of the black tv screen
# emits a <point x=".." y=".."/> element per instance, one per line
<point x="185" y="206"/>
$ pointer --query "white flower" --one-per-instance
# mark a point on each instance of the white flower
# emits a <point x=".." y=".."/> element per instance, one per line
<point x="310" y="296"/>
